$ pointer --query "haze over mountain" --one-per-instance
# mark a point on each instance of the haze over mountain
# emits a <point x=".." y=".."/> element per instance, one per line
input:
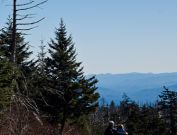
<point x="141" y="87"/>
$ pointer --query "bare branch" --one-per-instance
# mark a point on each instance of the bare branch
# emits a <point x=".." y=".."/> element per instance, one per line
<point x="5" y="31"/>
<point x="31" y="22"/>
<point x="24" y="34"/>
<point x="28" y="28"/>
<point x="165" y="88"/>
<point x="44" y="99"/>
<point x="25" y="3"/>
<point x="2" y="29"/>
<point x="33" y="6"/>
<point x="25" y="17"/>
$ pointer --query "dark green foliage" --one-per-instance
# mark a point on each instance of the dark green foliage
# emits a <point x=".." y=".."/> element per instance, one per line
<point x="133" y="121"/>
<point x="22" y="50"/>
<point x="168" y="110"/>
<point x="150" y="123"/>
<point x="64" y="95"/>
<point x="141" y="120"/>
<point x="6" y="84"/>
<point x="138" y="120"/>
<point x="24" y="66"/>
<point x="68" y="93"/>
<point x="113" y="111"/>
<point x="39" y="84"/>
<point x="125" y="106"/>
<point x="86" y="98"/>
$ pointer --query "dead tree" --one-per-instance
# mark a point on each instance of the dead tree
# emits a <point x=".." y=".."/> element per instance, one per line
<point x="17" y="21"/>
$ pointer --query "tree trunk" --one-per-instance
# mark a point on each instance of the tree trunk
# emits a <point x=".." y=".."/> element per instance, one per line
<point x="63" y="123"/>
<point x="13" y="45"/>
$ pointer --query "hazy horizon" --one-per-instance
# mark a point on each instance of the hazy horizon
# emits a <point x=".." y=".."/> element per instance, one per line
<point x="155" y="73"/>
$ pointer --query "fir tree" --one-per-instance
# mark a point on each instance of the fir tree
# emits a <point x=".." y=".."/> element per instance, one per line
<point x="24" y="66"/>
<point x="124" y="107"/>
<point x="6" y="84"/>
<point x="66" y="79"/>
<point x="40" y="81"/>
<point x="133" y="122"/>
<point x="22" y="47"/>
<point x="168" y="110"/>
<point x="113" y="112"/>
<point x="149" y="118"/>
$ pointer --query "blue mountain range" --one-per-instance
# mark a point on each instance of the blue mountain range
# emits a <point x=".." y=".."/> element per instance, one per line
<point x="140" y="87"/>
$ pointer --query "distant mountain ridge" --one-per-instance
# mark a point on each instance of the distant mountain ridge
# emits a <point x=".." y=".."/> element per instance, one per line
<point x="141" y="87"/>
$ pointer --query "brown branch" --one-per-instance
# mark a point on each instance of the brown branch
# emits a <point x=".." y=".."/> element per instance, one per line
<point x="25" y="3"/>
<point x="22" y="4"/>
<point x="25" y="17"/>
<point x="33" y="6"/>
<point x="31" y="22"/>
<point x="28" y="28"/>
<point x="25" y="34"/>
<point x="25" y="14"/>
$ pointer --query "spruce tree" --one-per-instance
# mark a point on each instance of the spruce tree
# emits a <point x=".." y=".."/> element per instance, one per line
<point x="149" y="118"/>
<point x="22" y="50"/>
<point x="6" y="84"/>
<point x="113" y="112"/>
<point x="40" y="81"/>
<point x="168" y="110"/>
<point x="24" y="66"/>
<point x="71" y="94"/>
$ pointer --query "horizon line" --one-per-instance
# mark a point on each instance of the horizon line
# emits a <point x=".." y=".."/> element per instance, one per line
<point x="132" y="73"/>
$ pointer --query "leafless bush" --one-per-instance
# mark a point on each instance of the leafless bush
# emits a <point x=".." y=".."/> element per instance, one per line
<point x="18" y="119"/>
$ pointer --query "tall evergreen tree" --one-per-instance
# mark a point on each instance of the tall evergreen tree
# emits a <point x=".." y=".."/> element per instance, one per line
<point x="40" y="81"/>
<point x="6" y="84"/>
<point x="41" y="58"/>
<point x="23" y="52"/>
<point x="168" y="110"/>
<point x="124" y="107"/>
<point x="113" y="109"/>
<point x="24" y="65"/>
<point x="133" y="122"/>
<point x="67" y="80"/>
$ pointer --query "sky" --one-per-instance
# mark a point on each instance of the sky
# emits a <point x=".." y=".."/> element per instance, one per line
<point x="111" y="36"/>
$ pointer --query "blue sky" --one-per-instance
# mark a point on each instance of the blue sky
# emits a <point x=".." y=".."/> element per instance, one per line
<point x="112" y="36"/>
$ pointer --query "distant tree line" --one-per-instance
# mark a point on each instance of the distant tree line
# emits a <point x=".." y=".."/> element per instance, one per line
<point x="159" y="118"/>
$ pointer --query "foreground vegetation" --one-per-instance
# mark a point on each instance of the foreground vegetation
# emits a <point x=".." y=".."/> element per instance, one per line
<point x="159" y="118"/>
<point x="51" y="95"/>
<point x="50" y="89"/>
